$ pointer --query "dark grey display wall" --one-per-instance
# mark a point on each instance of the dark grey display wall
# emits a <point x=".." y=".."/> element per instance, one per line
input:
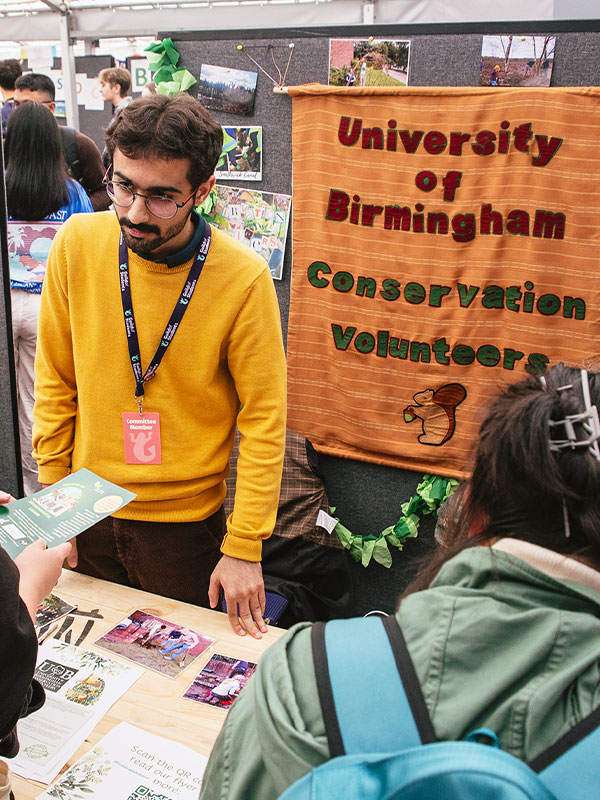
<point x="368" y="497"/>
<point x="92" y="123"/>
<point x="272" y="111"/>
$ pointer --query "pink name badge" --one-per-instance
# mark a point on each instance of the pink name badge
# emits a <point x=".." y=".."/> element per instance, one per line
<point x="141" y="435"/>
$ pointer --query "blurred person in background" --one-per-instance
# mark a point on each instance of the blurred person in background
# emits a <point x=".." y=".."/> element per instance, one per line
<point x="115" y="83"/>
<point x="40" y="197"/>
<point x="10" y="70"/>
<point x="81" y="154"/>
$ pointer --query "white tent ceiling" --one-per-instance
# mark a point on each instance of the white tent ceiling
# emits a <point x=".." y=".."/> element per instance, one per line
<point x="69" y="21"/>
<point x="37" y="20"/>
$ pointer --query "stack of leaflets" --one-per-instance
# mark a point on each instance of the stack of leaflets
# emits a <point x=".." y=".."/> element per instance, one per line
<point x="131" y="763"/>
<point x="81" y="686"/>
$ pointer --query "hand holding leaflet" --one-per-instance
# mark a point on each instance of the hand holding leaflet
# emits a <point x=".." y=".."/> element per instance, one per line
<point x="59" y="512"/>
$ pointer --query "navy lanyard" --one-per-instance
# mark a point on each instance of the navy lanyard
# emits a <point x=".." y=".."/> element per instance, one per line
<point x="174" y="320"/>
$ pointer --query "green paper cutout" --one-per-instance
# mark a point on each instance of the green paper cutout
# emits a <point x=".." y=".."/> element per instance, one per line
<point x="381" y="553"/>
<point x="163" y="58"/>
<point x="185" y="79"/>
<point x="432" y="491"/>
<point x="154" y="59"/>
<point x="162" y="75"/>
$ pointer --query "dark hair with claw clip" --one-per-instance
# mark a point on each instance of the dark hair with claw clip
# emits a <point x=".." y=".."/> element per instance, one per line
<point x="531" y="473"/>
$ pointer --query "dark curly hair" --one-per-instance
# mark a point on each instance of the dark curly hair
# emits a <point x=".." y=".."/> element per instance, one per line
<point x="168" y="127"/>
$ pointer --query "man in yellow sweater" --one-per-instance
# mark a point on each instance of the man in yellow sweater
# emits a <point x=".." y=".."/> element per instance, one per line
<point x="151" y="401"/>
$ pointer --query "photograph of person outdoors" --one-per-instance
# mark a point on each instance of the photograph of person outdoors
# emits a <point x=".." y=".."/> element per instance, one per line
<point x="513" y="60"/>
<point x="368" y="63"/>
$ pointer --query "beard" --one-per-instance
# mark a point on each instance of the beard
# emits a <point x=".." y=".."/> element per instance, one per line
<point x="143" y="247"/>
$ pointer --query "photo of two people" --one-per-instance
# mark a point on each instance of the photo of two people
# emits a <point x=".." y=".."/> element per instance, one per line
<point x="368" y="62"/>
<point x="155" y="643"/>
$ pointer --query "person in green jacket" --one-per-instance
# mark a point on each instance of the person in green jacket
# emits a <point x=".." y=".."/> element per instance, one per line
<point x="503" y="624"/>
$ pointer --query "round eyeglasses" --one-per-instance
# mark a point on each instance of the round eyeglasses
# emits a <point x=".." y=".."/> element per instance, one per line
<point x="159" y="206"/>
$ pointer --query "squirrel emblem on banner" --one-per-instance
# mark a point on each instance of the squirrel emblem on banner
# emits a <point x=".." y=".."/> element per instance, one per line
<point x="436" y="408"/>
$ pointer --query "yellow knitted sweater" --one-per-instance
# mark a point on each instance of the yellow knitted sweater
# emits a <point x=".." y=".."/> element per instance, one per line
<point x="226" y="364"/>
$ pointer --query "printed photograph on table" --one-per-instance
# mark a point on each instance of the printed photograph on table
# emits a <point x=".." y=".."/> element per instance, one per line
<point x="221" y="681"/>
<point x="365" y="62"/>
<point x="52" y="608"/>
<point x="226" y="89"/>
<point x="155" y="643"/>
<point x="260" y="219"/>
<point x="514" y="60"/>
<point x="241" y="158"/>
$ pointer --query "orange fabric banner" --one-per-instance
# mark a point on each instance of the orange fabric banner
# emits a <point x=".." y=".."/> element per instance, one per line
<point x="445" y="243"/>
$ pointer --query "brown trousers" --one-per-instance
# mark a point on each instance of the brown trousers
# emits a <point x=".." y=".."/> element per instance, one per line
<point x="173" y="559"/>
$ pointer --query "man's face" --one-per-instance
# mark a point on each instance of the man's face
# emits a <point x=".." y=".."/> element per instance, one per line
<point x="26" y="96"/>
<point x="143" y="232"/>
<point x="111" y="92"/>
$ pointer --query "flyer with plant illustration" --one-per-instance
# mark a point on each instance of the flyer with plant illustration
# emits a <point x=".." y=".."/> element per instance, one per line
<point x="59" y="512"/>
<point x="80" y="687"/>
<point x="130" y="762"/>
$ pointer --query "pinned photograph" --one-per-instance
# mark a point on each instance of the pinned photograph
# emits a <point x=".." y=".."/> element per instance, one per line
<point x="221" y="681"/>
<point x="52" y="608"/>
<point x="155" y="643"/>
<point x="226" y="89"/>
<point x="514" y="60"/>
<point x="259" y="219"/>
<point x="368" y="62"/>
<point x="241" y="157"/>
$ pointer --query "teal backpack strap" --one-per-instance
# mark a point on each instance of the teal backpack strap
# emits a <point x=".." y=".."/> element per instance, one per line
<point x="570" y="768"/>
<point x="365" y="705"/>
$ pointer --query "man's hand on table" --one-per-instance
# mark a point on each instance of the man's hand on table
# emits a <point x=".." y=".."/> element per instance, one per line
<point x="244" y="590"/>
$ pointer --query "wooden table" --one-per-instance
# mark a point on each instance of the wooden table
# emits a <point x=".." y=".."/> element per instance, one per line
<point x="154" y="702"/>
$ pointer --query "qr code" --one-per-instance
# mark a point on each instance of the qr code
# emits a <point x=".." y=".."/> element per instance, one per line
<point x="144" y="793"/>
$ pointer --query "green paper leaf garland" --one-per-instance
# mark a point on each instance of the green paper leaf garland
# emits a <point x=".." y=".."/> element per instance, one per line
<point x="432" y="491"/>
